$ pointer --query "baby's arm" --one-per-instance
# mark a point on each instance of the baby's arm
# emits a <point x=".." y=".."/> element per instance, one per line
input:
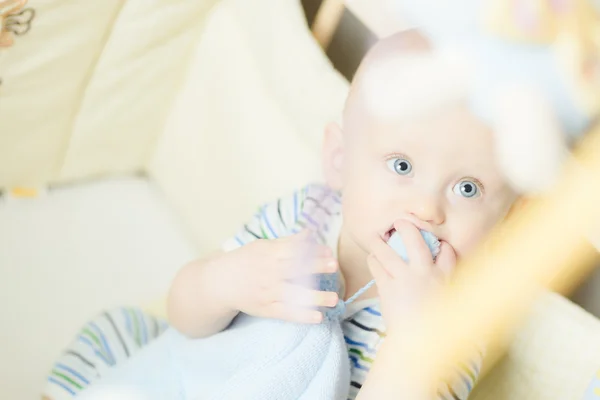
<point x="404" y="287"/>
<point x="256" y="279"/>
<point x="197" y="305"/>
<point x="254" y="275"/>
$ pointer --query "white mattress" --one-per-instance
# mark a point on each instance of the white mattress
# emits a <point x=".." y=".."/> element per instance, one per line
<point x="115" y="242"/>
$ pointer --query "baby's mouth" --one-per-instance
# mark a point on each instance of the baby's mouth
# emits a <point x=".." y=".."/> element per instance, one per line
<point x="388" y="234"/>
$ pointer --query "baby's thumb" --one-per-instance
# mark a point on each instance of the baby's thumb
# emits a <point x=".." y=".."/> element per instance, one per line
<point x="445" y="262"/>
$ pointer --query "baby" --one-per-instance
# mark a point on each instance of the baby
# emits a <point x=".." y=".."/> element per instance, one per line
<point x="432" y="171"/>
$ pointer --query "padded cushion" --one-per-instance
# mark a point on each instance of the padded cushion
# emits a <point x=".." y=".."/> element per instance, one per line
<point x="247" y="126"/>
<point x="554" y="356"/>
<point x="86" y="91"/>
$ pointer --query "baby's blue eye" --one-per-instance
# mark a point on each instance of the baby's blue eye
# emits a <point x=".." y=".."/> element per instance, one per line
<point x="466" y="188"/>
<point x="401" y="166"/>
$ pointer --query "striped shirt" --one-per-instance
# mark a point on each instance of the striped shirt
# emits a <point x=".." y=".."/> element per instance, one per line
<point x="318" y="208"/>
<point x="109" y="339"/>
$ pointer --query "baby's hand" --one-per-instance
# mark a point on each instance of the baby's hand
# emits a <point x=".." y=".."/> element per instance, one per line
<point x="272" y="278"/>
<point x="404" y="286"/>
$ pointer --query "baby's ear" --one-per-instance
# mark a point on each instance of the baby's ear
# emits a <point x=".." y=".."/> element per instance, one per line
<point x="333" y="155"/>
<point x="530" y="145"/>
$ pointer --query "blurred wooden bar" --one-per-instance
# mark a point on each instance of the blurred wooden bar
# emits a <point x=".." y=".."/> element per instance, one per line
<point x="327" y="20"/>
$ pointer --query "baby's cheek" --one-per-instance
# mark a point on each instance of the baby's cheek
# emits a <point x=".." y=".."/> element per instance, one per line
<point x="465" y="246"/>
<point x="467" y="236"/>
<point x="358" y="212"/>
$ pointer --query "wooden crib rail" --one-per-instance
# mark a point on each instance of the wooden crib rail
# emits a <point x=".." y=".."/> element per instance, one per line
<point x="327" y="20"/>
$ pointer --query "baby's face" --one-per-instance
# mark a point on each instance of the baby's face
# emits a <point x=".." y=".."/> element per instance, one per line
<point x="436" y="171"/>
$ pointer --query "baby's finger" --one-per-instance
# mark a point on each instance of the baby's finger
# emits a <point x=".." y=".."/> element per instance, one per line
<point x="300" y="245"/>
<point x="446" y="260"/>
<point x="386" y="256"/>
<point x="308" y="265"/>
<point x="299" y="296"/>
<point x="290" y="313"/>
<point x="416" y="248"/>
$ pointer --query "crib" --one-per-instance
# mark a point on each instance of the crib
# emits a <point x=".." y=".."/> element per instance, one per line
<point x="114" y="117"/>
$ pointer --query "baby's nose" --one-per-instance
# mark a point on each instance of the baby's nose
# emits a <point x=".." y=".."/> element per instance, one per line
<point x="427" y="209"/>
